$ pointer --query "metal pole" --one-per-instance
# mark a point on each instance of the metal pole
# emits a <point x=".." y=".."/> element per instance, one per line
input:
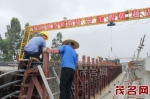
<point x="139" y="50"/>
<point x="140" y="47"/>
<point x="46" y="83"/>
<point x="21" y="70"/>
<point x="10" y="83"/>
<point x="46" y="72"/>
<point x="55" y="74"/>
<point x="5" y="97"/>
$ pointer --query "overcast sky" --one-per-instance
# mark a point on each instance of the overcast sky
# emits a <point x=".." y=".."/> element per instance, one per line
<point x="93" y="40"/>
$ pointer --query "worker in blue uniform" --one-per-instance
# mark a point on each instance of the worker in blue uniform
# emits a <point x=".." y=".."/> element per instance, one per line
<point x="35" y="46"/>
<point x="68" y="63"/>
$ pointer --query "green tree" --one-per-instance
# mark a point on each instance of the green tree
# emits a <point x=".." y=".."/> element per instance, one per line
<point x="56" y="43"/>
<point x="1" y="42"/>
<point x="1" y="47"/>
<point x="13" y="38"/>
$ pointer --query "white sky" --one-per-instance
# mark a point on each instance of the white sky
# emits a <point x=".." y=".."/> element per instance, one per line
<point x="94" y="40"/>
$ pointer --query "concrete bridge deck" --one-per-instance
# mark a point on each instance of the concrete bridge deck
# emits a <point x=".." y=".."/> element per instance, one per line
<point x="109" y="91"/>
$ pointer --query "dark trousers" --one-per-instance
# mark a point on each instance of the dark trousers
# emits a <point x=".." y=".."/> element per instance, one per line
<point x="67" y="76"/>
<point x="36" y="54"/>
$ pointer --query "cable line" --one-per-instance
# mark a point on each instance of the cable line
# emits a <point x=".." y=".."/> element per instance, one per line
<point x="111" y="24"/>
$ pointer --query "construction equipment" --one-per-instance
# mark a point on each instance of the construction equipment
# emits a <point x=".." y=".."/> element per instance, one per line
<point x="91" y="77"/>
<point x="31" y="79"/>
<point x="121" y="16"/>
<point x="35" y="80"/>
<point x="37" y="77"/>
<point x="25" y="40"/>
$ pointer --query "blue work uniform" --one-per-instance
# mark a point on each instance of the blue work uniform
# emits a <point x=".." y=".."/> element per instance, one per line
<point x="34" y="44"/>
<point x="34" y="47"/>
<point x="68" y="62"/>
<point x="68" y="56"/>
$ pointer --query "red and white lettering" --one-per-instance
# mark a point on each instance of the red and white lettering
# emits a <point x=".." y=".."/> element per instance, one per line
<point x="121" y="15"/>
<point x="136" y="13"/>
<point x="77" y="22"/>
<point x="41" y="27"/>
<point x="69" y="23"/>
<point x="55" y="25"/>
<point x="88" y="20"/>
<point x="131" y="90"/>
<point x="119" y="90"/>
<point x="111" y="17"/>
<point x="100" y="19"/>
<point x="143" y="90"/>
<point x="62" y="24"/>
<point x="148" y="12"/>
<point x="35" y="28"/>
<point x="48" y="26"/>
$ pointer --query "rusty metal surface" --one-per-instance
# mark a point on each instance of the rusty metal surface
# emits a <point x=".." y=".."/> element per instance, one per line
<point x="46" y="72"/>
<point x="91" y="77"/>
<point x="32" y="87"/>
<point x="38" y="86"/>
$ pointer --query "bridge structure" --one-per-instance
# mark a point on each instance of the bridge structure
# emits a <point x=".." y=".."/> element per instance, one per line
<point x="91" y="77"/>
<point x="40" y="80"/>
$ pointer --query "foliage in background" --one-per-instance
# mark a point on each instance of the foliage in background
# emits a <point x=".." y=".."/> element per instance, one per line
<point x="56" y="43"/>
<point x="10" y="45"/>
<point x="1" y="47"/>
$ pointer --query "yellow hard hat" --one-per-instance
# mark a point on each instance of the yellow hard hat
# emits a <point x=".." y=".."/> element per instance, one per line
<point x="44" y="33"/>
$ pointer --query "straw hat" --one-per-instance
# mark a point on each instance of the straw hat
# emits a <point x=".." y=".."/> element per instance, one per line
<point x="75" y="46"/>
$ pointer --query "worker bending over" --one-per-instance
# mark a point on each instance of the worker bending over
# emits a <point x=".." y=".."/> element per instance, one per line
<point x="35" y="46"/>
<point x="68" y="63"/>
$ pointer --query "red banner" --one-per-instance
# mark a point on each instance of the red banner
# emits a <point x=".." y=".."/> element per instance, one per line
<point x="55" y="25"/>
<point x="111" y="17"/>
<point x="41" y="27"/>
<point x="62" y="24"/>
<point x="100" y="19"/>
<point x="77" y="22"/>
<point x="48" y="26"/>
<point x="148" y="12"/>
<point x="69" y="23"/>
<point x="35" y="28"/>
<point x="88" y="20"/>
<point x="136" y="13"/>
<point x="121" y="15"/>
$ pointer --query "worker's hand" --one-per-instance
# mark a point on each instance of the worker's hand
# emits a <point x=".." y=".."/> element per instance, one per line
<point x="45" y="49"/>
<point x="53" y="51"/>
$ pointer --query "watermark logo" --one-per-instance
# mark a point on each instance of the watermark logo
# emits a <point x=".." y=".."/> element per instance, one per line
<point x="132" y="90"/>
